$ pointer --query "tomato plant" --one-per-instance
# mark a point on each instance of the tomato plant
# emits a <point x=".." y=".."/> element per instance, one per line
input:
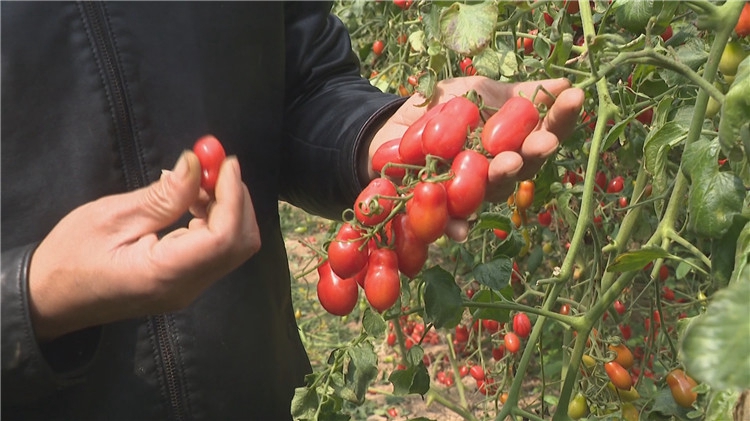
<point x="210" y="155"/>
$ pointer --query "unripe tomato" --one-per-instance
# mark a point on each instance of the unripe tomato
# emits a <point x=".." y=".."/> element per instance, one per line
<point x="377" y="47"/>
<point x="411" y="251"/>
<point x="618" y="375"/>
<point x="629" y="395"/>
<point x="742" y="29"/>
<point x="337" y="295"/>
<point x="427" y="211"/>
<point x="370" y="211"/>
<point x="522" y="325"/>
<point x="616" y="184"/>
<point x="347" y="253"/>
<point x="466" y="189"/>
<point x="385" y="154"/>
<point x="525" y="194"/>
<point x="382" y="283"/>
<point x="410" y="149"/>
<point x="629" y="412"/>
<point x="516" y="219"/>
<point x="507" y="129"/>
<point x="476" y="372"/>
<point x="445" y="134"/>
<point x="682" y="386"/>
<point x="210" y="155"/>
<point x="578" y="408"/>
<point x="588" y="361"/>
<point x="731" y="57"/>
<point x="623" y="355"/>
<point x="512" y="342"/>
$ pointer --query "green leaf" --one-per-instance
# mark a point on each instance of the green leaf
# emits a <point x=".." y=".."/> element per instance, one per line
<point x="414" y="379"/>
<point x="487" y="296"/>
<point x="633" y="15"/>
<point x="362" y="370"/>
<point x="615" y="132"/>
<point x="442" y="298"/>
<point x="656" y="148"/>
<point x="723" y="252"/>
<point x="716" y="346"/>
<point x="494" y="274"/>
<point x="636" y="260"/>
<point x="414" y="355"/>
<point x="304" y="403"/>
<point x="721" y="405"/>
<point x="487" y="63"/>
<point x="742" y="256"/>
<point x="468" y="28"/>
<point x="373" y="323"/>
<point x="489" y="220"/>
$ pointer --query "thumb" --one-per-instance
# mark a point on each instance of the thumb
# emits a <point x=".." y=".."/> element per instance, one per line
<point x="163" y="202"/>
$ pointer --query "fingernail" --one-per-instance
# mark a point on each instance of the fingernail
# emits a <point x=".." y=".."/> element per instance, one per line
<point x="182" y="168"/>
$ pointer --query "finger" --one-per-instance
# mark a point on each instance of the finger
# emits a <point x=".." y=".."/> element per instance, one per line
<point x="504" y="168"/>
<point x="531" y="90"/>
<point x="457" y="230"/>
<point x="535" y="151"/>
<point x="563" y="114"/>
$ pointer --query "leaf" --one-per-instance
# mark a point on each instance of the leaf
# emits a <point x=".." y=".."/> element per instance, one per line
<point x="304" y="403"/>
<point x="414" y="379"/>
<point x="494" y="274"/>
<point x="468" y="28"/>
<point x="721" y="405"/>
<point x="636" y="260"/>
<point x="489" y="220"/>
<point x="656" y="149"/>
<point x="723" y="252"/>
<point x="442" y="298"/>
<point x="633" y="15"/>
<point x="363" y="369"/>
<point x="716" y="346"/>
<point x="373" y="323"/>
<point x="487" y="63"/>
<point x="487" y="296"/>
<point x="416" y="41"/>
<point x="615" y="132"/>
<point x="742" y="256"/>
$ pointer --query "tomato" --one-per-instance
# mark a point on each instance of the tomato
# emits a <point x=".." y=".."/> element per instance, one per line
<point x="565" y="309"/>
<point x="668" y="294"/>
<point x="571" y="6"/>
<point x="392" y="412"/>
<point x="375" y="202"/>
<point x="337" y="295"/>
<point x="578" y="408"/>
<point x="466" y="189"/>
<point x="403" y="4"/>
<point x="663" y="273"/>
<point x="503" y="398"/>
<point x="667" y="34"/>
<point x="525" y="194"/>
<point x="742" y="28"/>
<point x="548" y="19"/>
<point x="622" y="201"/>
<point x="347" y="253"/>
<point x="385" y="154"/>
<point x="413" y="80"/>
<point x="731" y="57"/>
<point x="618" y="375"/>
<point x="463" y="371"/>
<point x="382" y="283"/>
<point x="501" y="234"/>
<point x="681" y="385"/>
<point x="476" y="372"/>
<point x="498" y="353"/>
<point x="601" y="180"/>
<point x="462" y="334"/>
<point x="401" y="39"/>
<point x="588" y="361"/>
<point x="507" y="129"/>
<point x="391" y="340"/>
<point x="487" y="386"/>
<point x="512" y="342"/>
<point x="445" y="134"/>
<point x="427" y="211"/>
<point x="411" y="251"/>
<point x="623" y="356"/>
<point x="210" y="155"/>
<point x="629" y="412"/>
<point x="410" y="149"/>
<point x="377" y="47"/>
<point x="620" y="307"/>
<point x="544" y="218"/>
<point x="616" y="184"/>
<point x="646" y="116"/>
<point x="490" y="326"/>
<point x="522" y="325"/>
<point x="629" y="395"/>
<point x="515" y="217"/>
<point x="526" y="45"/>
<point x="467" y="66"/>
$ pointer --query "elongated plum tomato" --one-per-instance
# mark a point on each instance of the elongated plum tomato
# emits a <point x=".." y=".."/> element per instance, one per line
<point x="742" y="29"/>
<point x="522" y="325"/>
<point x="618" y="375"/>
<point x="445" y="134"/>
<point x="509" y="126"/>
<point x="348" y="253"/>
<point x="387" y="153"/>
<point x="624" y="356"/>
<point x="410" y="250"/>
<point x="466" y="189"/>
<point x="337" y="295"/>
<point x="525" y="194"/>
<point x="210" y="155"/>
<point x="512" y="342"/>
<point x="382" y="283"/>
<point x="371" y="211"/>
<point x="427" y="211"/>
<point x="410" y="149"/>
<point x="578" y="408"/>
<point x="681" y="385"/>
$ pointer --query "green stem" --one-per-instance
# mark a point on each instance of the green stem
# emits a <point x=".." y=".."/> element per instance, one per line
<point x="568" y="320"/>
<point x="677" y="238"/>
<point x="456" y="373"/>
<point x="442" y="400"/>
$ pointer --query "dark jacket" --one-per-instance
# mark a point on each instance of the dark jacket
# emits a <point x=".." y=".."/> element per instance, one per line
<point x="97" y="99"/>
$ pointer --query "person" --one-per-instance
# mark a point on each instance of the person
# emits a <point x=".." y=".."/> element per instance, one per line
<point x="127" y="291"/>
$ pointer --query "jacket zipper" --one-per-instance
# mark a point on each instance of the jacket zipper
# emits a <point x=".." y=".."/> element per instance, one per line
<point x="135" y="177"/>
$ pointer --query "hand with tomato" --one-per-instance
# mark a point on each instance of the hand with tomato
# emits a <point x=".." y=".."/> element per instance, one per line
<point x="506" y="167"/>
<point x="106" y="260"/>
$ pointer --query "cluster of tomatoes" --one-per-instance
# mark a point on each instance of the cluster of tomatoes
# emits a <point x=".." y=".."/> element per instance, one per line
<point x="435" y="172"/>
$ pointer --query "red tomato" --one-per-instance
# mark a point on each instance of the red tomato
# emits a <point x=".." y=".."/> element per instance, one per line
<point x="522" y="325"/>
<point x="392" y="412"/>
<point x="347" y="253"/>
<point x="490" y="326"/>
<point x="413" y="80"/>
<point x="401" y="39"/>
<point x="571" y="6"/>
<point x="601" y="180"/>
<point x="467" y="66"/>
<point x="620" y="307"/>
<point x="616" y="184"/>
<point x="210" y="155"/>
<point x="618" y="375"/>
<point x="403" y="4"/>
<point x="411" y="251"/>
<point x="466" y="189"/>
<point x="548" y="19"/>
<point x="742" y="29"/>
<point x="512" y="342"/>
<point x="525" y="194"/>
<point x="371" y="211"/>
<point x="663" y="273"/>
<point x="668" y="293"/>
<point x="544" y="218"/>
<point x="682" y="386"/>
<point x="388" y="153"/>
<point x="462" y="334"/>
<point x="337" y="295"/>
<point x="463" y="371"/>
<point x="667" y="34"/>
<point x="501" y="234"/>
<point x="509" y="126"/>
<point x="646" y="116"/>
<point x="427" y="211"/>
<point x="377" y="47"/>
<point x="626" y="332"/>
<point x="445" y="134"/>
<point x="623" y="356"/>
<point x="565" y="309"/>
<point x="391" y="339"/>
<point x="526" y="44"/>
<point x="498" y="353"/>
<point x="623" y="201"/>
<point x="382" y="283"/>
<point x="476" y="372"/>
<point x="410" y="149"/>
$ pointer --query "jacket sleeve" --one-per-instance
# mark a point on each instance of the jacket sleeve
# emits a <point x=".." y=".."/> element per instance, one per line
<point x="31" y="371"/>
<point x="331" y="115"/>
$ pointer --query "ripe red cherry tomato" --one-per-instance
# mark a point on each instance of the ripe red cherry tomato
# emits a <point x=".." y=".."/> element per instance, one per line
<point x="370" y="211"/>
<point x="467" y="66"/>
<point x="618" y="375"/>
<point x="210" y="155"/>
<point x="681" y="385"/>
<point x="347" y="253"/>
<point x="403" y="4"/>
<point x="522" y="325"/>
<point x="619" y="307"/>
<point x="498" y="353"/>
<point x="410" y="149"/>
<point x="526" y="45"/>
<point x="616" y="184"/>
<point x="377" y="47"/>
<point x="466" y="189"/>
<point x="477" y="372"/>
<point x="385" y="154"/>
<point x="601" y="180"/>
<point x="544" y="218"/>
<point x="742" y="29"/>
<point x="427" y="211"/>
<point x="382" y="283"/>
<point x="501" y="234"/>
<point x="524" y="195"/>
<point x="667" y="34"/>
<point x="490" y="326"/>
<point x="445" y="134"/>
<point x="462" y="334"/>
<point x="337" y="295"/>
<point x="512" y="342"/>
<point x="411" y="251"/>
<point x="509" y="126"/>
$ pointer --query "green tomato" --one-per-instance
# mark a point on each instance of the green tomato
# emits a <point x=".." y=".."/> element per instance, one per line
<point x="731" y="57"/>
<point x="578" y="408"/>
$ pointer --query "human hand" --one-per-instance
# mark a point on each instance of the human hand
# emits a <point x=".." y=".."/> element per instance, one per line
<point x="104" y="261"/>
<point x="506" y="168"/>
